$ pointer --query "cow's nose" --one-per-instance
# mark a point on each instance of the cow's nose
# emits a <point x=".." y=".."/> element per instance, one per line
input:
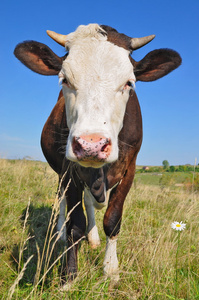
<point x="91" y="147"/>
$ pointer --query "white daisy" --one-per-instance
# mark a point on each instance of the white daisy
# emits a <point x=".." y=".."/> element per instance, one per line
<point x="178" y="226"/>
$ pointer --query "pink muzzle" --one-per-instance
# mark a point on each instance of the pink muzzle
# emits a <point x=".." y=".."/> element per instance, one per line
<point x="91" y="147"/>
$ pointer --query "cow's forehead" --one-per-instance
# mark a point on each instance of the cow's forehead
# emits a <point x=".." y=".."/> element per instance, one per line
<point x="92" y="55"/>
<point x="91" y="31"/>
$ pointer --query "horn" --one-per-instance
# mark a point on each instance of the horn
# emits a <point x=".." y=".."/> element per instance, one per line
<point x="59" y="38"/>
<point x="137" y="43"/>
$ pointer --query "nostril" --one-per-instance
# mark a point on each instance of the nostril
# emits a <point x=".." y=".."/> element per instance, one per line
<point x="77" y="148"/>
<point x="106" y="147"/>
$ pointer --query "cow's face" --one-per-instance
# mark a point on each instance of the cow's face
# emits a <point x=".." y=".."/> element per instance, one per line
<point x="97" y="77"/>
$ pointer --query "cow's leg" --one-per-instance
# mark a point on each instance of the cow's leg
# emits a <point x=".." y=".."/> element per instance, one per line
<point x="93" y="236"/>
<point x="61" y="226"/>
<point x="76" y="225"/>
<point x="112" y="222"/>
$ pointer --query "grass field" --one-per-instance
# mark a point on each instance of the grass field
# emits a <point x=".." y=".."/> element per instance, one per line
<point x="156" y="262"/>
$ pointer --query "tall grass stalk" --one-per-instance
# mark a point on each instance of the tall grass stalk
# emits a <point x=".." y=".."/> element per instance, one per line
<point x="51" y="229"/>
<point x="22" y="243"/>
<point x="19" y="277"/>
<point x="21" y="250"/>
<point x="47" y="252"/>
<point x="52" y="265"/>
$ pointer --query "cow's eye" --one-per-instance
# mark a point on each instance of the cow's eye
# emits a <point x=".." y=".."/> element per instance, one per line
<point x="64" y="81"/>
<point x="129" y="84"/>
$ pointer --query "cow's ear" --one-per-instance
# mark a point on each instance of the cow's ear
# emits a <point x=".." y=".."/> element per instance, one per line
<point x="156" y="64"/>
<point x="38" y="57"/>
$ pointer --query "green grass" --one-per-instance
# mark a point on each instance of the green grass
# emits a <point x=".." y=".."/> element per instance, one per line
<point x="172" y="179"/>
<point x="146" y="245"/>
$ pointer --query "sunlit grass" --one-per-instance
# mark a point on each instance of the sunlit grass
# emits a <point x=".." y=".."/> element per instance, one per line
<point x="146" y="245"/>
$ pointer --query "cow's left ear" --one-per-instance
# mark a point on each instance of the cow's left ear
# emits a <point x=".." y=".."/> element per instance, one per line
<point x="156" y="64"/>
<point x="39" y="58"/>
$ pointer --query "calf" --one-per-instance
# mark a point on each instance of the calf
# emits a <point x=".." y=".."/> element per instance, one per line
<point x="94" y="132"/>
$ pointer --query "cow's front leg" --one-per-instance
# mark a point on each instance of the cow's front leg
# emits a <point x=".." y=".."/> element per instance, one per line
<point x="112" y="222"/>
<point x="110" y="259"/>
<point x="76" y="226"/>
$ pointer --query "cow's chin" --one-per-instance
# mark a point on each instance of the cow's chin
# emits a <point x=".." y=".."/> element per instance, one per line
<point x="96" y="164"/>
<point x="91" y="164"/>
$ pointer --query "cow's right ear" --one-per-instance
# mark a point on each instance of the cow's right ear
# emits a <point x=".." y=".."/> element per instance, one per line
<point x="38" y="57"/>
<point x="156" y="64"/>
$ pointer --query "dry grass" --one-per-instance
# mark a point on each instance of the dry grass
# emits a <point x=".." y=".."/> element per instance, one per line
<point x="146" y="246"/>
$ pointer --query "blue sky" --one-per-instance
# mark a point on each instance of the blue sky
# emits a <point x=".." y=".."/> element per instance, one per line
<point x="170" y="106"/>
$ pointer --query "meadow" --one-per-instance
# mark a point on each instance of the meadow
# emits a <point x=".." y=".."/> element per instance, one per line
<point x="156" y="262"/>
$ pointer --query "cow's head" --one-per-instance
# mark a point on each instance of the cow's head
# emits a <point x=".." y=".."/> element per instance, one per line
<point x="97" y="76"/>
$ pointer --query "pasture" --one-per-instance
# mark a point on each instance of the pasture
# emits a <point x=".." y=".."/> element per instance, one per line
<point x="156" y="262"/>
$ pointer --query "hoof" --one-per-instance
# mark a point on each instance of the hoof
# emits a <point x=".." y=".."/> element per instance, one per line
<point x="114" y="277"/>
<point x="93" y="238"/>
<point x="67" y="286"/>
<point x="94" y="245"/>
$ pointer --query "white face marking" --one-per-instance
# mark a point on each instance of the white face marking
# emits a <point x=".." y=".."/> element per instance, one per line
<point x="96" y="92"/>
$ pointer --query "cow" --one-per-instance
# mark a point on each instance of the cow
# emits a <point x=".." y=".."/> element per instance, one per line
<point x="94" y="132"/>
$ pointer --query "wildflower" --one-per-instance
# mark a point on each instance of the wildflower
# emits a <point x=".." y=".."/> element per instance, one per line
<point x="178" y="226"/>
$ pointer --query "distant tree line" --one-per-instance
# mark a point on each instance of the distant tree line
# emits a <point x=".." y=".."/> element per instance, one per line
<point x="180" y="168"/>
<point x="167" y="168"/>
